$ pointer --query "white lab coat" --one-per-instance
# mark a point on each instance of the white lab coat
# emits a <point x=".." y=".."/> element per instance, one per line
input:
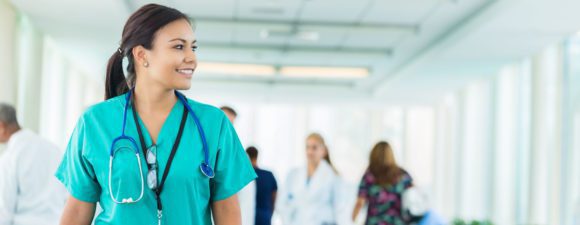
<point x="29" y="192"/>
<point x="247" y="198"/>
<point x="320" y="202"/>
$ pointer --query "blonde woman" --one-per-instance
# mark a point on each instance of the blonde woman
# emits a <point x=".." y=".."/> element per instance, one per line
<point x="311" y="194"/>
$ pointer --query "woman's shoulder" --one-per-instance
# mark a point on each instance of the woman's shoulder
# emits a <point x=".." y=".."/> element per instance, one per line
<point x="405" y="174"/>
<point x="368" y="177"/>
<point x="204" y="110"/>
<point x="107" y="108"/>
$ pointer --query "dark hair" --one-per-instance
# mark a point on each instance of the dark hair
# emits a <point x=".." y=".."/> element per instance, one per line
<point x="229" y="109"/>
<point x="252" y="152"/>
<point x="8" y="114"/>
<point x="139" y="30"/>
<point x="383" y="166"/>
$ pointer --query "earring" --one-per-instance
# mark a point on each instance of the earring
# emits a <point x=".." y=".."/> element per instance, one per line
<point x="146" y="64"/>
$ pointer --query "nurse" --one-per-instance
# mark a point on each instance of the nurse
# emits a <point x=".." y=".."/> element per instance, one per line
<point x="147" y="154"/>
<point x="313" y="194"/>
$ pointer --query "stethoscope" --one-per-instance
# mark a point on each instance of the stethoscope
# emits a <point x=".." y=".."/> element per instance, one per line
<point x="204" y="167"/>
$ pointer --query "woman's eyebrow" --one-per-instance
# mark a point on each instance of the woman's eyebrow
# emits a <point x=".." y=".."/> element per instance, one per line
<point x="182" y="40"/>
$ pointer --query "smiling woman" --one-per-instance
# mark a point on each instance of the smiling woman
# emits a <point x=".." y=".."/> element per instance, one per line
<point x="160" y="45"/>
<point x="168" y="41"/>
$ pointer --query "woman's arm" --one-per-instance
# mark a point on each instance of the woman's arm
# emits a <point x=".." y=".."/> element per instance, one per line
<point x="360" y="202"/>
<point x="274" y="193"/>
<point x="77" y="212"/>
<point x="227" y="211"/>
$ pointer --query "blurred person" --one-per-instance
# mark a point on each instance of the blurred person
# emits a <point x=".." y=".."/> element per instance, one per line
<point x="418" y="208"/>
<point x="127" y="153"/>
<point x="230" y="113"/>
<point x="266" y="190"/>
<point x="381" y="188"/>
<point x="29" y="194"/>
<point x="246" y="196"/>
<point x="313" y="194"/>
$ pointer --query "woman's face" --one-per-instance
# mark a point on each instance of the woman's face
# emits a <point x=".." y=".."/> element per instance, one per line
<point x="315" y="150"/>
<point x="172" y="59"/>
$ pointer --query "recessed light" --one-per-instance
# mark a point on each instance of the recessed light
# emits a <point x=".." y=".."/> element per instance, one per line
<point x="308" y="35"/>
<point x="235" y="69"/>
<point x="324" y="72"/>
<point x="264" y="34"/>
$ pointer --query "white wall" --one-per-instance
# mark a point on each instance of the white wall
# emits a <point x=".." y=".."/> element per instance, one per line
<point x="8" y="81"/>
<point x="546" y="137"/>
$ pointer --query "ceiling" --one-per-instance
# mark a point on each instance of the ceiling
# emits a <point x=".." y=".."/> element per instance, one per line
<point x="406" y="45"/>
<point x="505" y="32"/>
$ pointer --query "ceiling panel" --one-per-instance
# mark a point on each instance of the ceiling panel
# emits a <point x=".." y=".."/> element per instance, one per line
<point x="76" y="12"/>
<point x="400" y="11"/>
<point x="261" y="34"/>
<point x="270" y="10"/>
<point x="139" y="3"/>
<point x="233" y="55"/>
<point x="369" y="38"/>
<point x="212" y="9"/>
<point x="338" y="11"/>
<point x="307" y="58"/>
<point x="208" y="32"/>
<point x="318" y="36"/>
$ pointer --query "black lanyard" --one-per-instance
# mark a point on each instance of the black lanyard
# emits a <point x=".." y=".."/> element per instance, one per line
<point x="169" y="161"/>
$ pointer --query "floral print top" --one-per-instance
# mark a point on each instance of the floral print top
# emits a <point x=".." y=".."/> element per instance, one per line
<point x="384" y="202"/>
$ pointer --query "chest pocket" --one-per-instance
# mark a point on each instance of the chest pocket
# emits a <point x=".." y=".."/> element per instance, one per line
<point x="125" y="175"/>
<point x="185" y="175"/>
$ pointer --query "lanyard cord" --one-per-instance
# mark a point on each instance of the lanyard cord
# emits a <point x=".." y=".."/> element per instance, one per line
<point x="171" y="156"/>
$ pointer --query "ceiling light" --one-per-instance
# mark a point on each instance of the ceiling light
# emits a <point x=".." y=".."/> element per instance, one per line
<point x="235" y="69"/>
<point x="264" y="34"/>
<point x="325" y="72"/>
<point x="308" y="35"/>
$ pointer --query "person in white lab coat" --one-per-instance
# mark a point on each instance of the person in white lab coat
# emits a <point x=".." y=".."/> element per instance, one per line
<point x="312" y="195"/>
<point x="246" y="196"/>
<point x="29" y="193"/>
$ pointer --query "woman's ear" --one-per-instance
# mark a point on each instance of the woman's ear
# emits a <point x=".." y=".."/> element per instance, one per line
<point x="2" y="129"/>
<point x="140" y="55"/>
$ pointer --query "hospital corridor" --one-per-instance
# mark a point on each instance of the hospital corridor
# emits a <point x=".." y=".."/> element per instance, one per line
<point x="290" y="112"/>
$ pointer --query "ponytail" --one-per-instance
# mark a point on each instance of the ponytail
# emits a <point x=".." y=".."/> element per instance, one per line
<point x="115" y="84"/>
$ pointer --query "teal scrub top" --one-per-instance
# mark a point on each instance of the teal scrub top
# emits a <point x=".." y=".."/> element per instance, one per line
<point x="187" y="194"/>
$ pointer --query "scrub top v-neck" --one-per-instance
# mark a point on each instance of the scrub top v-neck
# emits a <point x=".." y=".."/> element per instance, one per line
<point x="187" y="194"/>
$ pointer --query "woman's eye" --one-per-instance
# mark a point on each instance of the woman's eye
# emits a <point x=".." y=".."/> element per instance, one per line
<point x="194" y="48"/>
<point x="179" y="47"/>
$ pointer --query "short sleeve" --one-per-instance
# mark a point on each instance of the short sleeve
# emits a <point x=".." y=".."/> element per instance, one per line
<point x="274" y="183"/>
<point x="365" y="183"/>
<point x="75" y="171"/>
<point x="406" y="181"/>
<point x="233" y="170"/>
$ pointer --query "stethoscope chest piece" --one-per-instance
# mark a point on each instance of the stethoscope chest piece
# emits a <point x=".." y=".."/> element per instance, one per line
<point x="206" y="170"/>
